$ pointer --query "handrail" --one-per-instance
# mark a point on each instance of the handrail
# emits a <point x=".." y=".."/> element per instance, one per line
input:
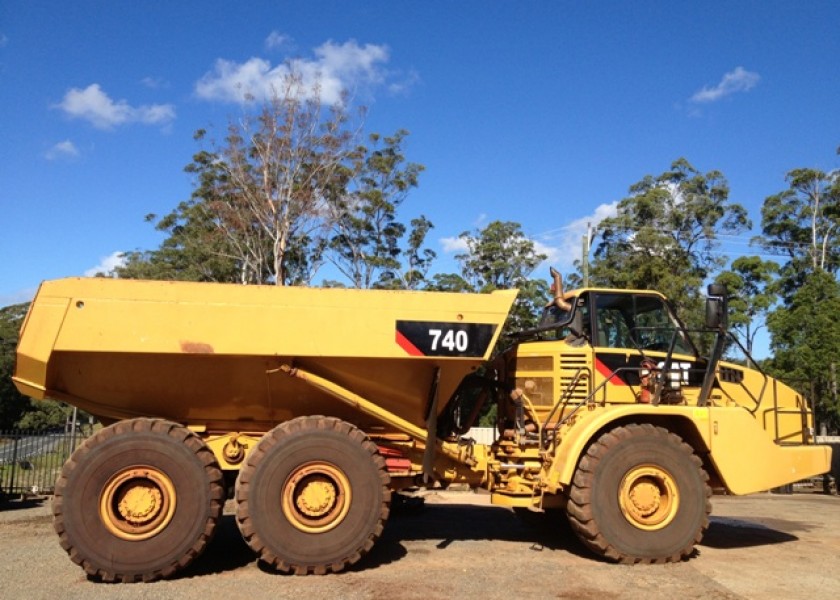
<point x="562" y="400"/>
<point x="757" y="399"/>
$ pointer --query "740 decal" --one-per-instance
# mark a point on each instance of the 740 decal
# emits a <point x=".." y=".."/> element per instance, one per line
<point x="431" y="338"/>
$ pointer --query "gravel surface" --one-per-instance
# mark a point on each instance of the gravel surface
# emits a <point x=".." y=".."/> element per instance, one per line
<point x="761" y="546"/>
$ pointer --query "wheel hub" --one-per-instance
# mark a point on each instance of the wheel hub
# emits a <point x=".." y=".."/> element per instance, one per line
<point x="648" y="497"/>
<point x="137" y="503"/>
<point x="645" y="498"/>
<point x="316" y="497"/>
<point x="140" y="502"/>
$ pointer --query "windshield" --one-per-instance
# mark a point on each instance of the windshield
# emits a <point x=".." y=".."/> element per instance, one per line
<point x="638" y="321"/>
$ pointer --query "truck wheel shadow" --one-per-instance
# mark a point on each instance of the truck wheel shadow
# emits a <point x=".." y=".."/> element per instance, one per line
<point x="726" y="532"/>
<point x="227" y="551"/>
<point x="453" y="523"/>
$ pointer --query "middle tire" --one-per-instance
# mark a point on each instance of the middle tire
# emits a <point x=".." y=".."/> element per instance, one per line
<point x="313" y="496"/>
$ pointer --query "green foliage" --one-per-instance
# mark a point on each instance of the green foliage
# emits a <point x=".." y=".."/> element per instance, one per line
<point x="664" y="236"/>
<point x="500" y="257"/>
<point x="802" y="225"/>
<point x="805" y="343"/>
<point x="194" y="249"/>
<point x="449" y="282"/>
<point x="751" y="293"/>
<point x="257" y="213"/>
<point x="366" y="243"/>
<point x="12" y="403"/>
<point x="43" y="414"/>
<point x="284" y="193"/>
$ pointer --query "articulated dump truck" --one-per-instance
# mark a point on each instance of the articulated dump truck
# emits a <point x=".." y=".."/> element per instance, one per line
<point x="314" y="406"/>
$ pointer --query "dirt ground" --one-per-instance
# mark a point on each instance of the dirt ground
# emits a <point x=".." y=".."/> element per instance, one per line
<point x="760" y="546"/>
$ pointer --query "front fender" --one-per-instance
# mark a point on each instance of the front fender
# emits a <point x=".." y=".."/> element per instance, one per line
<point x="589" y="423"/>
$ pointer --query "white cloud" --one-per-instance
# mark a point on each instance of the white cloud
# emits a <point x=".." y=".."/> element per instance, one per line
<point x="276" y="40"/>
<point x="453" y="244"/>
<point x="4" y="39"/>
<point x="552" y="253"/>
<point x="404" y="84"/>
<point x="564" y="245"/>
<point x="65" y="149"/>
<point x="107" y="265"/>
<point x="154" y="83"/>
<point x="335" y="68"/>
<point x="95" y="106"/>
<point x="739" y="80"/>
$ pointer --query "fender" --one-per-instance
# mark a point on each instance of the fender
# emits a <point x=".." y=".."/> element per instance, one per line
<point x="725" y="433"/>
<point x="589" y="423"/>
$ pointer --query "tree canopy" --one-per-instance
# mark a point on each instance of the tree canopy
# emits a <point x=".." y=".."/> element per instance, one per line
<point x="498" y="257"/>
<point x="286" y="191"/>
<point x="665" y="235"/>
<point x="12" y="404"/>
<point x="802" y="226"/>
<point x="806" y="340"/>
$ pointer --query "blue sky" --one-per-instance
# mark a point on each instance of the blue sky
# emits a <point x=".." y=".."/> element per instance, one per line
<point x="542" y="113"/>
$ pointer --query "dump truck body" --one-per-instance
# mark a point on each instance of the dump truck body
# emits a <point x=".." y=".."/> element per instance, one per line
<point x="318" y="403"/>
<point x="210" y="355"/>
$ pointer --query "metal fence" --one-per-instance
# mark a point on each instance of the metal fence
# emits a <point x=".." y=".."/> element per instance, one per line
<point x="31" y="460"/>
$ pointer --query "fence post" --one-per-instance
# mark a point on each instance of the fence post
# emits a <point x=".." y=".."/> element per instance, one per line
<point x="14" y="465"/>
<point x="73" y="430"/>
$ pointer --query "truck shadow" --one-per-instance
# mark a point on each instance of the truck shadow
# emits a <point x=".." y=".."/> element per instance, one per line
<point x="727" y="532"/>
<point x="447" y="524"/>
<point x="227" y="551"/>
<point x="451" y="523"/>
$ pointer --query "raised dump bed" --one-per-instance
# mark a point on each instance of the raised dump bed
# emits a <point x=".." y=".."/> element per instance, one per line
<point x="211" y="355"/>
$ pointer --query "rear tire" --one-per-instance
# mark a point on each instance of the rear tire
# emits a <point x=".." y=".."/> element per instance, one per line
<point x="138" y="501"/>
<point x="640" y="495"/>
<point x="313" y="496"/>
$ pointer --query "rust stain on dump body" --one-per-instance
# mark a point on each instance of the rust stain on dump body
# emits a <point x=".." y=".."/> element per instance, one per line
<point x="196" y="348"/>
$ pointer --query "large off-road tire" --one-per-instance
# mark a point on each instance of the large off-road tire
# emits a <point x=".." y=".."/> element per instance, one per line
<point x="313" y="496"/>
<point x="640" y="495"/>
<point x="138" y="500"/>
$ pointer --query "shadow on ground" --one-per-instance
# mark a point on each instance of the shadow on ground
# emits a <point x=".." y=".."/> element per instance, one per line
<point x="445" y="524"/>
<point x="449" y="523"/>
<point x="726" y="532"/>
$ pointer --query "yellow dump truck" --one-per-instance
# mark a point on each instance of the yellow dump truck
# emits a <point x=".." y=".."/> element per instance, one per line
<point x="315" y="405"/>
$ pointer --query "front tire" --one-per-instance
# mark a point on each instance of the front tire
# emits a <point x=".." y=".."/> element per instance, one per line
<point x="640" y="495"/>
<point x="313" y="496"/>
<point x="138" y="501"/>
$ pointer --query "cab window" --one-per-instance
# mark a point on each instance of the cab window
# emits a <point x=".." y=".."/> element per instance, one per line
<point x="637" y="321"/>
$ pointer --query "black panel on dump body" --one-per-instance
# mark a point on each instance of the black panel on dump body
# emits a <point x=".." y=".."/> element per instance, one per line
<point x="430" y="338"/>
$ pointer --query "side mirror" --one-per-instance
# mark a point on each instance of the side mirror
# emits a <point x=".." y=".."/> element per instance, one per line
<point x="716" y="307"/>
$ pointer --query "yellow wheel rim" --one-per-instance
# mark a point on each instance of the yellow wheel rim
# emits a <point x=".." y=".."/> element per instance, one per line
<point x="316" y="497"/>
<point x="137" y="503"/>
<point x="649" y="497"/>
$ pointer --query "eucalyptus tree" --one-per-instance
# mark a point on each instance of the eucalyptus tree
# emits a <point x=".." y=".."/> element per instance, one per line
<point x="805" y="343"/>
<point x="276" y="168"/>
<point x="366" y="245"/>
<point x="257" y="213"/>
<point x="500" y="256"/>
<point x="802" y="225"/>
<point x="665" y="235"/>
<point x="750" y="282"/>
<point x="286" y="190"/>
